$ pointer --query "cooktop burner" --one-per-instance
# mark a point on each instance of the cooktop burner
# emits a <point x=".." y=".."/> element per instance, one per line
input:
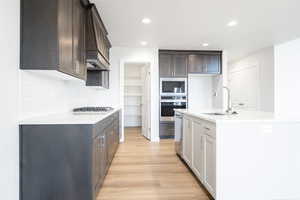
<point x="92" y="109"/>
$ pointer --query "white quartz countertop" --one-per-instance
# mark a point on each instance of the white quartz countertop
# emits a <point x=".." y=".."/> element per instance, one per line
<point x="241" y="116"/>
<point x="68" y="118"/>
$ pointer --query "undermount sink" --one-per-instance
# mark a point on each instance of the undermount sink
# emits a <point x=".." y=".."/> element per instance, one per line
<point x="215" y="113"/>
<point x="219" y="113"/>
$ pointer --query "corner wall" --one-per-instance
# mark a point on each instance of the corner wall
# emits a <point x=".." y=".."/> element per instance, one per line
<point x="9" y="87"/>
<point x="265" y="60"/>
<point x="287" y="81"/>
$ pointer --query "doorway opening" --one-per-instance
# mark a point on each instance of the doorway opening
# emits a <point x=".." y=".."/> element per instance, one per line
<point x="137" y="96"/>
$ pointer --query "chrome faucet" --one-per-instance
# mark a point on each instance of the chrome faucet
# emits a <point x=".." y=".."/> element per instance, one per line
<point x="229" y="108"/>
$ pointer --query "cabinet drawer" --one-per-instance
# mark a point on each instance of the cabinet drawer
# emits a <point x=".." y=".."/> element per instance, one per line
<point x="98" y="129"/>
<point x="209" y="128"/>
<point x="102" y="125"/>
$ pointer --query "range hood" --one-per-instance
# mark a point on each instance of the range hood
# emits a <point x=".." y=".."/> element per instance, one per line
<point x="97" y="43"/>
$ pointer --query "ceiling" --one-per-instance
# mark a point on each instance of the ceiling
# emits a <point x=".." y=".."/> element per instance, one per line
<point x="187" y="24"/>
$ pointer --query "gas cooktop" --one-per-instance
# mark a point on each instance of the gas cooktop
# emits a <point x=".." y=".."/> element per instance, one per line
<point x="92" y="110"/>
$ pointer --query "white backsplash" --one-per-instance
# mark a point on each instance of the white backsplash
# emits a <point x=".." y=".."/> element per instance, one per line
<point x="45" y="93"/>
<point x="202" y="90"/>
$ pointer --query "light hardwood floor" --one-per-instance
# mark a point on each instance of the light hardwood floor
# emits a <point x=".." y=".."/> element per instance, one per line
<point x="142" y="170"/>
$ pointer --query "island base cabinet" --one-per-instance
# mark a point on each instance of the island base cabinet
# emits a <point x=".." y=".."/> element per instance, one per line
<point x="199" y="151"/>
<point x="187" y="141"/>
<point x="210" y="164"/>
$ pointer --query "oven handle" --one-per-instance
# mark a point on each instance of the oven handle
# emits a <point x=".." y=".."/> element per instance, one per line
<point x="173" y="101"/>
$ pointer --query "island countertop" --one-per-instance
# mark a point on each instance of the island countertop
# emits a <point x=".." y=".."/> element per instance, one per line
<point x="251" y="116"/>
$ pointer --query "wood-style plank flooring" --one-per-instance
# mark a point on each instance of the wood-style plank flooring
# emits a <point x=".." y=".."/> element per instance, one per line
<point x="142" y="170"/>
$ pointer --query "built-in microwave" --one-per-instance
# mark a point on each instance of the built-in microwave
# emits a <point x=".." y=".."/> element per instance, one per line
<point x="173" y="86"/>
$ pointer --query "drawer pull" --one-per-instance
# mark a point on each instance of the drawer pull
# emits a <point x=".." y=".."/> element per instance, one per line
<point x="207" y="128"/>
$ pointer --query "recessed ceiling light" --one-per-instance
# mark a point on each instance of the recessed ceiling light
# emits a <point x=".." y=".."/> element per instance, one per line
<point x="232" y="23"/>
<point x="205" y="44"/>
<point x="144" y="43"/>
<point x="146" y="21"/>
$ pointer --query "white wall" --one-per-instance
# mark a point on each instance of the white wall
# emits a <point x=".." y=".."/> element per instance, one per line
<point x="48" y="92"/>
<point x="9" y="143"/>
<point x="287" y="82"/>
<point x="122" y="55"/>
<point x="265" y="60"/>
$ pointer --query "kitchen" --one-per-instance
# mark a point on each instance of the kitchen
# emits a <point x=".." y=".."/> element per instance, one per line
<point x="65" y="101"/>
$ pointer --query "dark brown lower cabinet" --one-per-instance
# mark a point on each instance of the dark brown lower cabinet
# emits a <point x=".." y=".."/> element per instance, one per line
<point x="66" y="162"/>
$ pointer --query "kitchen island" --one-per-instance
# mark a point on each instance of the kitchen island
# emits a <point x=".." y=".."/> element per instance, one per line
<point x="250" y="156"/>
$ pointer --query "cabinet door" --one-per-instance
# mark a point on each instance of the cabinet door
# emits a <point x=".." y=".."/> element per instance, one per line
<point x="180" y="65"/>
<point x="79" y="16"/>
<point x="65" y="35"/>
<point x="96" y="162"/>
<point x="105" y="79"/>
<point x="198" y="150"/>
<point x="110" y="132"/>
<point x="213" y="64"/>
<point x="116" y="132"/>
<point x="196" y="63"/>
<point x="210" y="164"/>
<point x="187" y="141"/>
<point x="103" y="153"/>
<point x="165" y="65"/>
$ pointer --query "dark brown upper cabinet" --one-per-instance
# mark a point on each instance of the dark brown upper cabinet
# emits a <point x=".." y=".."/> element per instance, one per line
<point x="98" y="78"/>
<point x="52" y="36"/>
<point x="172" y="65"/>
<point x="204" y="63"/>
<point x="196" y="63"/>
<point x="180" y="65"/>
<point x="165" y="65"/>
<point x="79" y="24"/>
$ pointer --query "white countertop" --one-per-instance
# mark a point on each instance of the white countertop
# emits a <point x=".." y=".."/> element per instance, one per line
<point x="241" y="116"/>
<point x="68" y="118"/>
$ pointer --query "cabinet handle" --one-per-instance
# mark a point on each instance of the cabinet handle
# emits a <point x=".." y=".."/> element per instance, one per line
<point x="207" y="128"/>
<point x="77" y="69"/>
<point x="99" y="144"/>
<point x="102" y="138"/>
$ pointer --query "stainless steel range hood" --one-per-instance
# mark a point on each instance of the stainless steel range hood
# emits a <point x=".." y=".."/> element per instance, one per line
<point x="97" y="43"/>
